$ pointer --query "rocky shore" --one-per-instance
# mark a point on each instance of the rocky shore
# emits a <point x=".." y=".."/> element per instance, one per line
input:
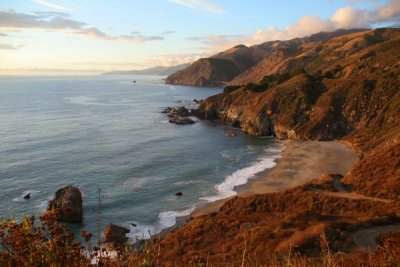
<point x="344" y="88"/>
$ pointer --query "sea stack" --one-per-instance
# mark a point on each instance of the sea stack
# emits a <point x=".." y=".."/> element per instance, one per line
<point x="67" y="205"/>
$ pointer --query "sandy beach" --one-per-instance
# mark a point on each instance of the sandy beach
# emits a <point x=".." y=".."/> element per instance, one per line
<point x="301" y="162"/>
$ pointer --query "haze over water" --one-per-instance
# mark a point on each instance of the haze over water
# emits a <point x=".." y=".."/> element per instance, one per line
<point x="108" y="133"/>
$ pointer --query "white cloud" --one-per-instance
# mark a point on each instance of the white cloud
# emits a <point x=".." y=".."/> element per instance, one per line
<point x="348" y="17"/>
<point x="390" y="12"/>
<point x="10" y="47"/>
<point x="199" y="4"/>
<point x="55" y="21"/>
<point x="343" y="18"/>
<point x="175" y="59"/>
<point x="52" y="5"/>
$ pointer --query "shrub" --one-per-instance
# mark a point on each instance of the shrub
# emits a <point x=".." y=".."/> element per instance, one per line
<point x="256" y="87"/>
<point x="230" y="88"/>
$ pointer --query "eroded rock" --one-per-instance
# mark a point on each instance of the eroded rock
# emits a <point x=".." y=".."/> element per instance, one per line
<point x="67" y="205"/>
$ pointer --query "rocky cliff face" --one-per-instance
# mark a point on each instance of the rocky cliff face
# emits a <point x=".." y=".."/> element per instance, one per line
<point x="350" y="91"/>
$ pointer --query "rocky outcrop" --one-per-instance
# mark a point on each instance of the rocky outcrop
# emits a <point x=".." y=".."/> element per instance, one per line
<point x="67" y="205"/>
<point x="179" y="111"/>
<point x="179" y="115"/>
<point x="115" y="234"/>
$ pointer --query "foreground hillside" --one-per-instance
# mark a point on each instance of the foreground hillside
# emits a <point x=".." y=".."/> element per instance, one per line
<point x="345" y="88"/>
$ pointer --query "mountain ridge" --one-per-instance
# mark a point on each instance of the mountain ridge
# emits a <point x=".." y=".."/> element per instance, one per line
<point x="240" y="58"/>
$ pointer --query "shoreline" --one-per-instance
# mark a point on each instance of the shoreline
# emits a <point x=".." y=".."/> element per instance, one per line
<point x="300" y="162"/>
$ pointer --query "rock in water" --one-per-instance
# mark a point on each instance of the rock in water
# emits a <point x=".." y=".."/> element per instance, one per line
<point x="179" y="194"/>
<point x="231" y="133"/>
<point x="67" y="205"/>
<point x="115" y="234"/>
<point x="27" y="196"/>
<point x="181" y="121"/>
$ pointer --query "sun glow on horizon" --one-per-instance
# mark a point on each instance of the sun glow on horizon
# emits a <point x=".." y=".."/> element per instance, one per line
<point x="45" y="37"/>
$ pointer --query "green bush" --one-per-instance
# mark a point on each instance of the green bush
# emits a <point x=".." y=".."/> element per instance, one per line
<point x="230" y="88"/>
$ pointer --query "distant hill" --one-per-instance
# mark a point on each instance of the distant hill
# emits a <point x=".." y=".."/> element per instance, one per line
<point x="158" y="70"/>
<point x="241" y="63"/>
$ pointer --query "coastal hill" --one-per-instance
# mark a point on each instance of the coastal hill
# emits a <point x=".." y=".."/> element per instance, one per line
<point x="344" y="88"/>
<point x="225" y="66"/>
<point x="158" y="70"/>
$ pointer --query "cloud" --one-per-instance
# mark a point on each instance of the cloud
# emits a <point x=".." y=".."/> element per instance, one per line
<point x="348" y="17"/>
<point x="56" y="21"/>
<point x="52" y="5"/>
<point x="390" y="12"/>
<point x="168" y="32"/>
<point x="343" y="18"/>
<point x="10" y="47"/>
<point x="174" y="59"/>
<point x="199" y="4"/>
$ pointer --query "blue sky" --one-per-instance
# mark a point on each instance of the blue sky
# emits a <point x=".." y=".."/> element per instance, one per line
<point x="71" y="36"/>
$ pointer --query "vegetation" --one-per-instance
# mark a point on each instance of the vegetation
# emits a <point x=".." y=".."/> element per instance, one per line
<point x="230" y="88"/>
<point x="52" y="244"/>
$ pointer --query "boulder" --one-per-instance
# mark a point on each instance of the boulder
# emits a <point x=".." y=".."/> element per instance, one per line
<point x="115" y="234"/>
<point x="27" y="196"/>
<point x="179" y="194"/>
<point x="231" y="133"/>
<point x="67" y="205"/>
<point x="181" y="121"/>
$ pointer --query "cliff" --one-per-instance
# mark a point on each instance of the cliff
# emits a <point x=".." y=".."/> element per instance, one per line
<point x="349" y="92"/>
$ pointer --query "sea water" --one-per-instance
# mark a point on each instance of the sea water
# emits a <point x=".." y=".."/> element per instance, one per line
<point x="108" y="134"/>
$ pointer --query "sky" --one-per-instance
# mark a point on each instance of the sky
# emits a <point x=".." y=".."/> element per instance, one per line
<point x="88" y="37"/>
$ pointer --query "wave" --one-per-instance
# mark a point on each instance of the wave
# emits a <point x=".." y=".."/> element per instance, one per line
<point x="241" y="177"/>
<point x="165" y="220"/>
<point x="225" y="189"/>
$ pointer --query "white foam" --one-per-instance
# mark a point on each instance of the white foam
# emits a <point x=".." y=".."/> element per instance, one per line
<point x="241" y="177"/>
<point x="225" y="189"/>
<point x="165" y="220"/>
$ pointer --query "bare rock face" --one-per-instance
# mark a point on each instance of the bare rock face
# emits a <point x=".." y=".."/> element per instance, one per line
<point x="115" y="234"/>
<point x="67" y="205"/>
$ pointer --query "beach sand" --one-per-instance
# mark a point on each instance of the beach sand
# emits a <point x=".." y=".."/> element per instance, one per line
<point x="301" y="162"/>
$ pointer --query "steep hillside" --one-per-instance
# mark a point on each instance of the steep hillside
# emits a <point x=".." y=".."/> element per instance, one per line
<point x="260" y="226"/>
<point x="205" y="72"/>
<point x="221" y="68"/>
<point x="349" y="92"/>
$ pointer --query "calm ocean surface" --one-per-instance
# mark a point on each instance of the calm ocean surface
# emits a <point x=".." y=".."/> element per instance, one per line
<point x="108" y="133"/>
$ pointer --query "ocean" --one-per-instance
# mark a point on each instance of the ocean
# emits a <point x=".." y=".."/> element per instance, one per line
<point x="108" y="133"/>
